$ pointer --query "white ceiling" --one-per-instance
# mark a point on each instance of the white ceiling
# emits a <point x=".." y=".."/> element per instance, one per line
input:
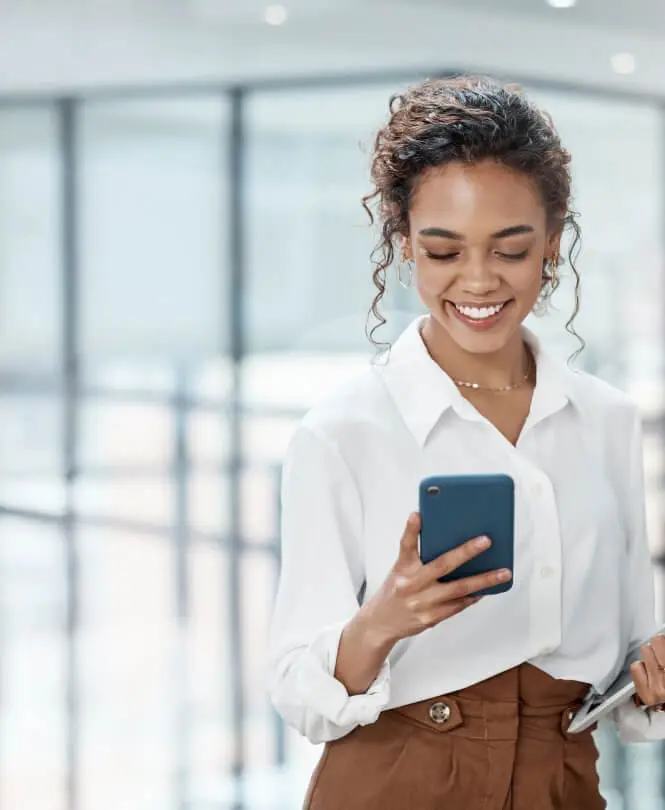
<point x="647" y="16"/>
<point x="47" y="44"/>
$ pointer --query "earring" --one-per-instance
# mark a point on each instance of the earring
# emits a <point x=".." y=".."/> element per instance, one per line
<point x="554" y="271"/>
<point x="411" y="266"/>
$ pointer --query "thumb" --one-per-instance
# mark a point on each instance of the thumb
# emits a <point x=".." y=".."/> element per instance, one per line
<point x="408" y="547"/>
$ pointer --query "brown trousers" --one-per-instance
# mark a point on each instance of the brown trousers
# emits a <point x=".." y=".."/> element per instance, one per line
<point x="499" y="745"/>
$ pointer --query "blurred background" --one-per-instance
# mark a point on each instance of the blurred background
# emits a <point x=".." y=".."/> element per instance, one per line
<point x="184" y="270"/>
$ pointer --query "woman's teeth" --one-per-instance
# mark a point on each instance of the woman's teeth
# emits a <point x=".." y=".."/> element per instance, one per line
<point x="479" y="313"/>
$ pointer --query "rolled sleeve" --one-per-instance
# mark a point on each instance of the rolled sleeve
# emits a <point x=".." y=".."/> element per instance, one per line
<point x="316" y="703"/>
<point x="321" y="577"/>
<point x="636" y="724"/>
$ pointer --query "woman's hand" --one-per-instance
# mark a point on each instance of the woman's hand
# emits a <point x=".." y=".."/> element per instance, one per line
<point x="409" y="601"/>
<point x="412" y="599"/>
<point x="649" y="673"/>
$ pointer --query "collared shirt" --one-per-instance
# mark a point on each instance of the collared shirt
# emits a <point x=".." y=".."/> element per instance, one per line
<point x="582" y="595"/>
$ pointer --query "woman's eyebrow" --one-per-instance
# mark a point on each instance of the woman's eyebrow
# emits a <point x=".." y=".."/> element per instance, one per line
<point x="444" y="233"/>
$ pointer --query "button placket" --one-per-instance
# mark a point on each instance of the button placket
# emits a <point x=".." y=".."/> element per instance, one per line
<point x="545" y="545"/>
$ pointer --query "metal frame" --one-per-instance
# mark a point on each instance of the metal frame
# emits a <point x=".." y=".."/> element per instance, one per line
<point x="233" y="144"/>
<point x="237" y="351"/>
<point x="327" y="80"/>
<point x="70" y="364"/>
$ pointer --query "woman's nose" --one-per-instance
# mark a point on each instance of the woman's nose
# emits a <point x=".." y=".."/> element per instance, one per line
<point x="478" y="278"/>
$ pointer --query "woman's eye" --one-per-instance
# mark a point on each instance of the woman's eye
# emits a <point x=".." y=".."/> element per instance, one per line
<point x="441" y="257"/>
<point x="447" y="257"/>
<point x="513" y="257"/>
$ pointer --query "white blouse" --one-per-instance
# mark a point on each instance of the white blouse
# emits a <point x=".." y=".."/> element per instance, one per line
<point x="583" y="583"/>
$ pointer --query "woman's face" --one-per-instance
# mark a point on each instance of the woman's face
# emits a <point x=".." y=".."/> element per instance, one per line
<point x="479" y="236"/>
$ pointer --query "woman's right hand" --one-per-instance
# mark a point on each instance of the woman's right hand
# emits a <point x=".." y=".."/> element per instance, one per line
<point x="412" y="599"/>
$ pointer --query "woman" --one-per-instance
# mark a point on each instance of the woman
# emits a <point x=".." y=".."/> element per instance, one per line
<point x="425" y="696"/>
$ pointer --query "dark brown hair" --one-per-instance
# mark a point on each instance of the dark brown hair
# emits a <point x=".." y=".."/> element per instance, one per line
<point x="466" y="119"/>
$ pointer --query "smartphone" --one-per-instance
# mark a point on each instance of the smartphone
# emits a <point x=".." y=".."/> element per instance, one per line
<point x="454" y="509"/>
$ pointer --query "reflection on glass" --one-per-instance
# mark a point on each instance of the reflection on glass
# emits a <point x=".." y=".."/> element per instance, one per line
<point x="124" y="450"/>
<point x="128" y="670"/>
<point x="622" y="211"/>
<point x="30" y="434"/>
<point x="125" y="434"/>
<point x="30" y="280"/>
<point x="31" y="451"/>
<point x="33" y="674"/>
<point x="208" y="663"/>
<point x="208" y="439"/>
<point x="308" y="240"/>
<point x="153" y="202"/>
<point x="208" y="504"/>
<point x="148" y="500"/>
<point x="259" y="578"/>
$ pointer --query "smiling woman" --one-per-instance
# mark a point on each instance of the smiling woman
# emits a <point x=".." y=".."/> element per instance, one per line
<point x="481" y="274"/>
<point x="473" y="189"/>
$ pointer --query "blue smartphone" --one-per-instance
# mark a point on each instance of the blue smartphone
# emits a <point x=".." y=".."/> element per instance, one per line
<point x="454" y="509"/>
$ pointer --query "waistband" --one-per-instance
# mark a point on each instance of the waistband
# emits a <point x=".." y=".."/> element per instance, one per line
<point x="523" y="702"/>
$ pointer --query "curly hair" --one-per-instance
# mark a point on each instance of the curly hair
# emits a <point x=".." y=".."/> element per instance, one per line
<point x="467" y="119"/>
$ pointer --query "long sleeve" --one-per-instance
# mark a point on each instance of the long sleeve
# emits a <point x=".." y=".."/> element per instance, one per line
<point x="634" y="724"/>
<point x="321" y="577"/>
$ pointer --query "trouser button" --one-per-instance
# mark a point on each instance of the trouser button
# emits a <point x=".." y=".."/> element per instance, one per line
<point x="439" y="713"/>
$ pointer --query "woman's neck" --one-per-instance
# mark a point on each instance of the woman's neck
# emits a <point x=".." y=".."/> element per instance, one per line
<point x="495" y="370"/>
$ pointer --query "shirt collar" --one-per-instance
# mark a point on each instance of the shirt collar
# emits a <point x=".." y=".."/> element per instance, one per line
<point x="423" y="392"/>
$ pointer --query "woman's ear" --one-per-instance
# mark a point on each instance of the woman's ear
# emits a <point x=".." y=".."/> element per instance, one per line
<point x="406" y="249"/>
<point x="553" y="245"/>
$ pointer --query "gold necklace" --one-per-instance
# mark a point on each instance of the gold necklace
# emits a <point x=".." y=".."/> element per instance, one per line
<point x="503" y="389"/>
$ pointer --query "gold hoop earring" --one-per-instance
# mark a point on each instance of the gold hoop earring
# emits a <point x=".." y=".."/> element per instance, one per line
<point x="554" y="271"/>
<point x="411" y="267"/>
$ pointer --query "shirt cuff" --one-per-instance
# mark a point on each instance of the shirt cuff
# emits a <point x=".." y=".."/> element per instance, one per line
<point x="323" y="694"/>
<point x="637" y="724"/>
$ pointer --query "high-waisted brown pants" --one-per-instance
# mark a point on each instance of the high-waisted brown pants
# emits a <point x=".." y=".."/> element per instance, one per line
<point x="499" y="745"/>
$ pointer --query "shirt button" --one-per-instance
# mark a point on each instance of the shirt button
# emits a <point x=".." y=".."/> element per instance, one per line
<point x="547" y="572"/>
<point x="537" y="489"/>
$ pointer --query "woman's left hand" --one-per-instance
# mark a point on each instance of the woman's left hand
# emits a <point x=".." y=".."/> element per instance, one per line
<point x="649" y="673"/>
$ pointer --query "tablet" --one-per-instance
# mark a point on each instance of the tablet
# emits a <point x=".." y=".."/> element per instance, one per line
<point x="596" y="706"/>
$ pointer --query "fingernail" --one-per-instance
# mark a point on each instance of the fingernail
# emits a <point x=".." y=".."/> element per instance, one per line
<point x="504" y="575"/>
<point x="483" y="542"/>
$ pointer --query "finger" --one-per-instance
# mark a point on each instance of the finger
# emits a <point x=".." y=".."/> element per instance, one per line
<point x="658" y="647"/>
<point x="453" y="608"/>
<point x="652" y="667"/>
<point x="408" y="546"/>
<point x="641" y="681"/>
<point x="453" y="559"/>
<point x="449" y="591"/>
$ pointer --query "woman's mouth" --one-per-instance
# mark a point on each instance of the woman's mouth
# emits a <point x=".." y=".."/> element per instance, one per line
<point x="478" y="317"/>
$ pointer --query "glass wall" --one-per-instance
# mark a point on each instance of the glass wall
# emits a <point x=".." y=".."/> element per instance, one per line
<point x="181" y="277"/>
